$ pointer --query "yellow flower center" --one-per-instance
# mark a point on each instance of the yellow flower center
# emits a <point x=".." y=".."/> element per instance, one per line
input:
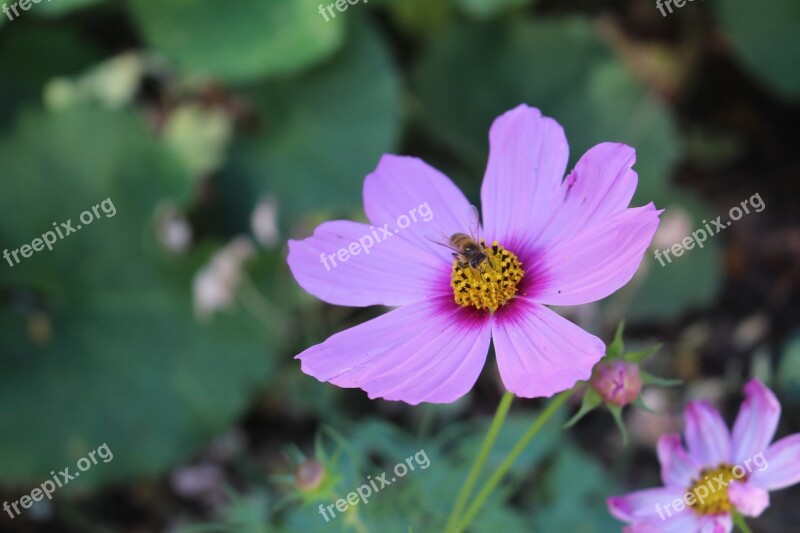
<point x="489" y="285"/>
<point x="712" y="486"/>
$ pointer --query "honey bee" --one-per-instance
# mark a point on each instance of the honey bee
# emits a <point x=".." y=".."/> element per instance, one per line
<point x="468" y="250"/>
<point x="467" y="247"/>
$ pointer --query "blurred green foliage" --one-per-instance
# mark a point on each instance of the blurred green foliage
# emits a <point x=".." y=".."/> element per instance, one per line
<point x="767" y="39"/>
<point x="206" y="108"/>
<point x="255" y="39"/>
<point x="99" y="339"/>
<point x="324" y="128"/>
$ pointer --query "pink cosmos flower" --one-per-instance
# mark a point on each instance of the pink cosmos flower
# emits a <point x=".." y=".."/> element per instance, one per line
<point x="720" y="472"/>
<point x="548" y="242"/>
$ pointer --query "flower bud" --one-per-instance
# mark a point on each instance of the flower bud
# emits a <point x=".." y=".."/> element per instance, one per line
<point x="617" y="382"/>
<point x="309" y="475"/>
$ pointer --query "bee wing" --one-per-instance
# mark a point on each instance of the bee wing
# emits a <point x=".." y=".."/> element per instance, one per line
<point x="473" y="221"/>
<point x="439" y="237"/>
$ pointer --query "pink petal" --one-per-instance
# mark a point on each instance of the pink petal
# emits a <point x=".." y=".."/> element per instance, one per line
<point x="748" y="499"/>
<point x="430" y="351"/>
<point x="644" y="505"/>
<point x="601" y="185"/>
<point x="393" y="273"/>
<point x="539" y="353"/>
<point x="528" y="155"/>
<point x="408" y="187"/>
<point x="721" y="523"/>
<point x="596" y="263"/>
<point x="757" y="421"/>
<point x="707" y="435"/>
<point x="677" y="468"/>
<point x="682" y="522"/>
<point x="779" y="467"/>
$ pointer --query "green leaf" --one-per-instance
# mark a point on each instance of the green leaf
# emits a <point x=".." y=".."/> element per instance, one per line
<point x="95" y="155"/>
<point x="324" y="133"/>
<point x="591" y="400"/>
<point x="420" y="18"/>
<point x="199" y="137"/>
<point x="63" y="7"/>
<point x="573" y="481"/>
<point x="100" y="342"/>
<point x="253" y="39"/>
<point x="113" y="83"/>
<point x="788" y="374"/>
<point x="471" y="74"/>
<point x="766" y="39"/>
<point x="23" y="81"/>
<point x="482" y="9"/>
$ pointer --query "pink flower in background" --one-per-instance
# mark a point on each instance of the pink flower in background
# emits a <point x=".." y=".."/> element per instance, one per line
<point x="549" y="241"/>
<point x="720" y="472"/>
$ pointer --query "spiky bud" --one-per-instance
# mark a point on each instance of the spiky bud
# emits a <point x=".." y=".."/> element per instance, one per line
<point x="617" y="382"/>
<point x="309" y="475"/>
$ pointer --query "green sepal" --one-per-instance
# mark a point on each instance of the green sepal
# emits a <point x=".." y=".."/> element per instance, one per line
<point x="591" y="400"/>
<point x="617" y="347"/>
<point x="649" y="379"/>
<point x="616" y="413"/>
<point x="641" y="355"/>
<point x="639" y="402"/>
<point x="294" y="454"/>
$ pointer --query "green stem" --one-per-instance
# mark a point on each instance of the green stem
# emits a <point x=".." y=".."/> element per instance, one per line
<point x="519" y="447"/>
<point x="358" y="525"/>
<point x="738" y="519"/>
<point x="486" y="447"/>
<point x="352" y="518"/>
